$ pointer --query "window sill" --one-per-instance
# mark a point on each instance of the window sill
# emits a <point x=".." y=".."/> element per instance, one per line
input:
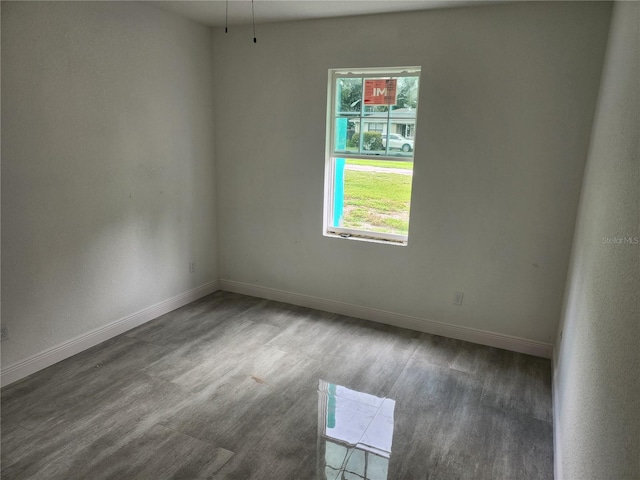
<point x="396" y="243"/>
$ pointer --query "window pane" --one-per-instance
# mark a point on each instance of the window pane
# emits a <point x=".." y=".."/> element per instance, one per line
<point x="377" y="196"/>
<point x="344" y="131"/>
<point x="372" y="143"/>
<point x="398" y="144"/>
<point x="406" y="95"/>
<point x="379" y="93"/>
<point x="348" y="96"/>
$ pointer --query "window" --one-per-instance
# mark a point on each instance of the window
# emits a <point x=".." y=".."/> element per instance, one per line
<point x="377" y="127"/>
<point x="371" y="122"/>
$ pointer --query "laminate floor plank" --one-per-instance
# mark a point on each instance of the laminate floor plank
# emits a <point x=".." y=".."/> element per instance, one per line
<point x="107" y="417"/>
<point x="281" y="447"/>
<point x="521" y="383"/>
<point x="233" y="387"/>
<point x="157" y="453"/>
<point x="193" y="326"/>
<point x="93" y="372"/>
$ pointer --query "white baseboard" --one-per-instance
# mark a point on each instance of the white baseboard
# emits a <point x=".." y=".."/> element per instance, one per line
<point x="67" y="349"/>
<point x="482" y="337"/>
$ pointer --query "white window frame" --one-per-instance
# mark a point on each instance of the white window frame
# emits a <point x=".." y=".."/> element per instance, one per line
<point x="331" y="155"/>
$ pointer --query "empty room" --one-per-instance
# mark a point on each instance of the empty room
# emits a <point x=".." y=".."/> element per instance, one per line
<point x="375" y="240"/>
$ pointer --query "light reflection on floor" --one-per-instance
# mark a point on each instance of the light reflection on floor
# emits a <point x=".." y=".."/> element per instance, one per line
<point x="355" y="432"/>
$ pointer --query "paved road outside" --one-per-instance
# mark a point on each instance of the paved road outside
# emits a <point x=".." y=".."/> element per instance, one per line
<point x="366" y="168"/>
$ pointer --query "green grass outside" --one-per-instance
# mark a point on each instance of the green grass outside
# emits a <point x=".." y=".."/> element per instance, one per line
<point x="377" y="201"/>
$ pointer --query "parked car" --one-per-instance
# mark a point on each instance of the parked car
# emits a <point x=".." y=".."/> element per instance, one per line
<point x="397" y="141"/>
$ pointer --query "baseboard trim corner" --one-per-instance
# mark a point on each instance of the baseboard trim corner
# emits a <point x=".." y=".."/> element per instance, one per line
<point x="76" y="345"/>
<point x="482" y="337"/>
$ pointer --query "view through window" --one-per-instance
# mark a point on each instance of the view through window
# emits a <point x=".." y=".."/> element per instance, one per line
<point x="371" y="138"/>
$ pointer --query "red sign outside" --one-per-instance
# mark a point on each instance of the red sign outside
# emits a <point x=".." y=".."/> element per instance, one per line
<point x="380" y="92"/>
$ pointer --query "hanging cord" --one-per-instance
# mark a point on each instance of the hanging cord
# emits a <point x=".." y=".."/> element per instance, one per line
<point x="226" y="18"/>
<point x="253" y="21"/>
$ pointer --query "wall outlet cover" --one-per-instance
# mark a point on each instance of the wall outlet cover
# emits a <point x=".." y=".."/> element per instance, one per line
<point x="457" y="298"/>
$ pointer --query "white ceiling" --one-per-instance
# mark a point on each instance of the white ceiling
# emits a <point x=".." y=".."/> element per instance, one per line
<point x="212" y="12"/>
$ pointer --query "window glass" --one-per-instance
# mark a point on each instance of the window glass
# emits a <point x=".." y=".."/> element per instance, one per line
<point x="373" y="117"/>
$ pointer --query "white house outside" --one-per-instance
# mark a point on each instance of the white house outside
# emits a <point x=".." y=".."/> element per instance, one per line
<point x="402" y="121"/>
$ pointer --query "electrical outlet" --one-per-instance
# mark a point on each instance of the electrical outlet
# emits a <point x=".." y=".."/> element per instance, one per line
<point x="192" y="267"/>
<point x="457" y="298"/>
<point x="4" y="334"/>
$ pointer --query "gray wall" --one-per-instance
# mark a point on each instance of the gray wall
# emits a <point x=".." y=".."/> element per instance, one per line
<point x="507" y="99"/>
<point x="597" y="365"/>
<point x="108" y="186"/>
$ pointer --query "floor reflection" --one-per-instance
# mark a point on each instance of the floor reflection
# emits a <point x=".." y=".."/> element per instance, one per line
<point x="355" y="431"/>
